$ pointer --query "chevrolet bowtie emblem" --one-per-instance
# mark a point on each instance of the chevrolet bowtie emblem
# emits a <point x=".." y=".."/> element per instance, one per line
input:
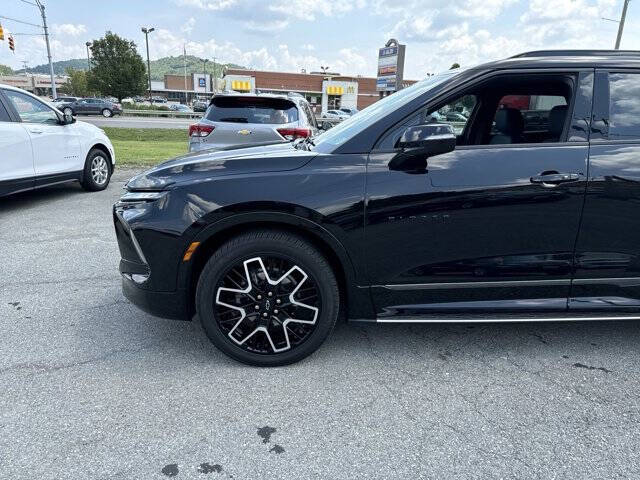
<point x="244" y="132"/>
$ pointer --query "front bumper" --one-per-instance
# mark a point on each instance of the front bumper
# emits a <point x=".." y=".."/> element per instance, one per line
<point x="171" y="305"/>
<point x="137" y="284"/>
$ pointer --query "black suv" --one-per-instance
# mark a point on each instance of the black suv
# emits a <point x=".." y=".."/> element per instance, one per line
<point x="525" y="209"/>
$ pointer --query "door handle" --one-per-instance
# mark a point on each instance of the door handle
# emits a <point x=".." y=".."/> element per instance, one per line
<point x="555" y="178"/>
<point x="35" y="131"/>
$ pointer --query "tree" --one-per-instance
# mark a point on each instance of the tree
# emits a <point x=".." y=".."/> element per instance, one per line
<point x="5" y="70"/>
<point x="77" y="83"/>
<point x="116" y="68"/>
<point x="454" y="66"/>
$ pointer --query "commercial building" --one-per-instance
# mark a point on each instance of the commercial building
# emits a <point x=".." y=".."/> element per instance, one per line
<point x="36" y="84"/>
<point x="324" y="91"/>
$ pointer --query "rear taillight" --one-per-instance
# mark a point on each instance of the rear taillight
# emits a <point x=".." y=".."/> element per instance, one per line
<point x="293" y="133"/>
<point x="197" y="130"/>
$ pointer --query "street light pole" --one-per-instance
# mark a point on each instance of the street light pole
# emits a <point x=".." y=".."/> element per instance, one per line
<point x="40" y="6"/>
<point x="88" y="44"/>
<point x="621" y="24"/>
<point x="146" y="32"/>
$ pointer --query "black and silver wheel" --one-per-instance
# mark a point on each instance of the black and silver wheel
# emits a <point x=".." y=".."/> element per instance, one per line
<point x="68" y="111"/>
<point x="267" y="298"/>
<point x="107" y="113"/>
<point x="97" y="171"/>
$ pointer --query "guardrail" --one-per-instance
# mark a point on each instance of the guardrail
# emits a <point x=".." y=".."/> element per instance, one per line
<point x="161" y="113"/>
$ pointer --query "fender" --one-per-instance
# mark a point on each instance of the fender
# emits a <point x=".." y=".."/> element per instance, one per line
<point x="359" y="300"/>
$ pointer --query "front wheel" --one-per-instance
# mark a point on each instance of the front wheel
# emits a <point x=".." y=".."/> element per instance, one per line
<point x="267" y="298"/>
<point x="97" y="171"/>
<point x="107" y="113"/>
<point x="67" y="111"/>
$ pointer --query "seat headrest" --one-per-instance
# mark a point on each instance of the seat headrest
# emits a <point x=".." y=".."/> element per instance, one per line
<point x="557" y="117"/>
<point x="509" y="121"/>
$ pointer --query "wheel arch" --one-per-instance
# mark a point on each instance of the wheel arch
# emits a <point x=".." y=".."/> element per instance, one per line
<point x="354" y="299"/>
<point x="103" y="148"/>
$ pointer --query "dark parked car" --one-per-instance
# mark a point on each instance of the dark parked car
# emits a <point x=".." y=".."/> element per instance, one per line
<point x="200" y="106"/>
<point x="391" y="219"/>
<point x="90" y="106"/>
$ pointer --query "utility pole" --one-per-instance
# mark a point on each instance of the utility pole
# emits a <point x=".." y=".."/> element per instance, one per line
<point x="88" y="44"/>
<point x="146" y="32"/>
<point x="40" y="6"/>
<point x="204" y="70"/>
<point x="215" y="83"/>
<point x="184" y="58"/>
<point x="620" y="25"/>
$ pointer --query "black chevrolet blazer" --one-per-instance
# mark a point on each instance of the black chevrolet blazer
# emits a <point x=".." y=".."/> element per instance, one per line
<point x="506" y="192"/>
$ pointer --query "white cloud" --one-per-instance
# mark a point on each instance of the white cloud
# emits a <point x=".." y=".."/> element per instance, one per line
<point x="188" y="26"/>
<point x="69" y="29"/>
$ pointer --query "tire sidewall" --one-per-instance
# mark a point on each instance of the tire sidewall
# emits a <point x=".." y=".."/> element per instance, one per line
<point x="106" y="113"/>
<point x="314" y="265"/>
<point x="88" y="182"/>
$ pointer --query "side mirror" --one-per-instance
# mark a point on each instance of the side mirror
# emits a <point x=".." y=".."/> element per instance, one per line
<point x="68" y="119"/>
<point x="419" y="142"/>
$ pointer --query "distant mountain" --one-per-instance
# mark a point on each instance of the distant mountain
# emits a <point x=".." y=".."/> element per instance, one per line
<point x="58" y="67"/>
<point x="159" y="68"/>
<point x="175" y="66"/>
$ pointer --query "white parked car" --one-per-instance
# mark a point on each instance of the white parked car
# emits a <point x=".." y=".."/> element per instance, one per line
<point x="336" y="114"/>
<point x="40" y="146"/>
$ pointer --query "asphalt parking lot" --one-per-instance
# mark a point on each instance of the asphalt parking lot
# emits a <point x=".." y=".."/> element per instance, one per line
<point x="93" y="388"/>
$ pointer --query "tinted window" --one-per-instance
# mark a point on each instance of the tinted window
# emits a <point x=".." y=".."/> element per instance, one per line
<point x="624" y="112"/>
<point x="30" y="109"/>
<point x="4" y="116"/>
<point x="274" y="111"/>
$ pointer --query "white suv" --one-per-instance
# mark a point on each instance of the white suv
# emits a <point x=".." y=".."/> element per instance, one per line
<point x="40" y="146"/>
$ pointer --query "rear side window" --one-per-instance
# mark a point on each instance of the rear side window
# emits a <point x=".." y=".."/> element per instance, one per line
<point x="272" y="111"/>
<point x="624" y="110"/>
<point x="4" y="115"/>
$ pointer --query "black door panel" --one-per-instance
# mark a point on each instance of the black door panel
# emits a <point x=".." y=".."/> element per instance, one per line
<point x="607" y="273"/>
<point x="474" y="228"/>
<point x="608" y="248"/>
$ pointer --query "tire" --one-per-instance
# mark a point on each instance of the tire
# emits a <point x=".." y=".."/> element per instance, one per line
<point x="301" y="307"/>
<point x="106" y="113"/>
<point x="68" y="111"/>
<point x="97" y="171"/>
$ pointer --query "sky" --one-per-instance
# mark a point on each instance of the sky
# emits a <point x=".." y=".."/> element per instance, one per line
<point x="290" y="35"/>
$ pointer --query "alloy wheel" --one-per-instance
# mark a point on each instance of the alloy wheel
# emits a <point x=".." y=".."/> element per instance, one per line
<point x="267" y="304"/>
<point x="99" y="170"/>
<point x="106" y="113"/>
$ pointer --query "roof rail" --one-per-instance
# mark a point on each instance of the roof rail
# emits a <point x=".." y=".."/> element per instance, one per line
<point x="579" y="53"/>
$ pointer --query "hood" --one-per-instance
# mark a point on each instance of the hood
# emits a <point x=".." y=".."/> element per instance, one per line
<point x="218" y="163"/>
<point x="87" y="127"/>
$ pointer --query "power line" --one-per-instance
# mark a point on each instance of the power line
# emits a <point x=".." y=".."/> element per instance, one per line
<point x="20" y="21"/>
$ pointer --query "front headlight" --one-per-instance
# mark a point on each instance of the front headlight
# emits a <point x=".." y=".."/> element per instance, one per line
<point x="146" y="181"/>
<point x="138" y="197"/>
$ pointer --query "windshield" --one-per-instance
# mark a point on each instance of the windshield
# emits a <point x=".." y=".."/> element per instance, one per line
<point x="331" y="139"/>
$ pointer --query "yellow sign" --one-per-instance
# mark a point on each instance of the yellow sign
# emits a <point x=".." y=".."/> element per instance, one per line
<point x="1" y="33"/>
<point x="335" y="90"/>
<point x="241" y="85"/>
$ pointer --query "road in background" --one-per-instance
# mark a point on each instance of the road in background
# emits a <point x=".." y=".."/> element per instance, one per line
<point x="138" y="122"/>
<point x="94" y="388"/>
